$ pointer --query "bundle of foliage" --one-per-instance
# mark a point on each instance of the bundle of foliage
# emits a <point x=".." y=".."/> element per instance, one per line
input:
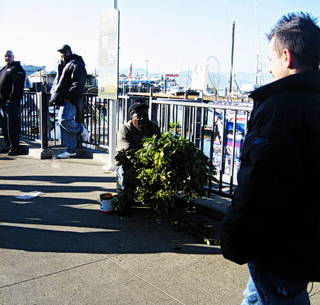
<point x="166" y="167"/>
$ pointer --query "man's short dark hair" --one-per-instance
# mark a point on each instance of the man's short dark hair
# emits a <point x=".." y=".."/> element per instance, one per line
<point x="299" y="33"/>
<point x="136" y="107"/>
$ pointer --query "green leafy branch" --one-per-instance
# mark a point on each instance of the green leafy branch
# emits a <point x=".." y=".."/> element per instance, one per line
<point x="163" y="169"/>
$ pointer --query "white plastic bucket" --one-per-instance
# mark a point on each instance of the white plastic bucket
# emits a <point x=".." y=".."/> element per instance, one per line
<point x="106" y="203"/>
<point x="106" y="206"/>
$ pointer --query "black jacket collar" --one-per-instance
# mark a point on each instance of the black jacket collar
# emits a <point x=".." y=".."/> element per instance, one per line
<point x="14" y="64"/>
<point x="303" y="81"/>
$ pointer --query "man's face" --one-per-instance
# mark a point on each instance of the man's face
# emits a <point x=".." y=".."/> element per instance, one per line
<point x="64" y="54"/>
<point x="139" y="118"/>
<point x="9" y="57"/>
<point x="277" y="62"/>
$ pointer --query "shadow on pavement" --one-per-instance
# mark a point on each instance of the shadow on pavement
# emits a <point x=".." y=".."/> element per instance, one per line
<point x="43" y="240"/>
<point x="61" y="179"/>
<point x="75" y="225"/>
<point x="54" y="188"/>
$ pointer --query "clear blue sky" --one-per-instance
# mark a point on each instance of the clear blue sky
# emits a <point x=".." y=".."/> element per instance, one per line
<point x="172" y="35"/>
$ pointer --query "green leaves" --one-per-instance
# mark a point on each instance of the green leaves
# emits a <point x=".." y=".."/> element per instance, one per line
<point x="165" y="166"/>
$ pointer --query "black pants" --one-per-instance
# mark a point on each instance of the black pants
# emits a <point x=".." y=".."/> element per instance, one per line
<point x="10" y="123"/>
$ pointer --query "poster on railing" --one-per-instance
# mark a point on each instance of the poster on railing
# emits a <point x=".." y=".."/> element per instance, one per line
<point x="227" y="139"/>
<point x="108" y="54"/>
<point x="239" y="131"/>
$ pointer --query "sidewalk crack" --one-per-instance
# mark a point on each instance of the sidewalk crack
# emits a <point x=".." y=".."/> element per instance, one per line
<point x="140" y="276"/>
<point x="52" y="273"/>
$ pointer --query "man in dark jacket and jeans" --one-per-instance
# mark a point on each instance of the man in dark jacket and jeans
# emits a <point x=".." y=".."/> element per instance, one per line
<point x="273" y="223"/>
<point x="67" y="93"/>
<point x="12" y="78"/>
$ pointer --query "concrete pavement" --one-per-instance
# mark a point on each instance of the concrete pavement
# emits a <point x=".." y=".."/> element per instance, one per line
<point x="59" y="249"/>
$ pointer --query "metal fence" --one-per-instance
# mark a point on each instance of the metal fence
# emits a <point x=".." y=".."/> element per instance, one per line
<point x="218" y="129"/>
<point x="30" y="116"/>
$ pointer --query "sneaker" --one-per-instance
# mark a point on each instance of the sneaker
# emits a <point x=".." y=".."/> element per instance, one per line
<point x="66" y="155"/>
<point x="84" y="134"/>
<point x="14" y="152"/>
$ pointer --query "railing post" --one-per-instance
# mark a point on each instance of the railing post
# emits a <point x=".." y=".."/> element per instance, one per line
<point x="150" y="103"/>
<point x="183" y="122"/>
<point x="125" y="109"/>
<point x="198" y="126"/>
<point x="44" y="115"/>
<point x="43" y="120"/>
<point x="153" y="108"/>
<point x="113" y="110"/>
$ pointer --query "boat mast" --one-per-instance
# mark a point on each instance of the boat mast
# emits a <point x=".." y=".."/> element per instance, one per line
<point x="232" y="51"/>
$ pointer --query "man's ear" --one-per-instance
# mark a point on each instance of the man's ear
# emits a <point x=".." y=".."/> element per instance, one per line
<point x="288" y="58"/>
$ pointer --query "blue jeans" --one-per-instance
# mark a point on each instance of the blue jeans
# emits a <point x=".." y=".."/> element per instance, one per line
<point x="10" y="123"/>
<point x="70" y="129"/>
<point x="268" y="288"/>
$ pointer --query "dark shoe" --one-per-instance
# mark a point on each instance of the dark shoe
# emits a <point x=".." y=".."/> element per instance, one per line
<point x="14" y="152"/>
<point x="4" y="150"/>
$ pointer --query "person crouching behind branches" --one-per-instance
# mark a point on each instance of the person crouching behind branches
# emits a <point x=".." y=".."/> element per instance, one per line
<point x="130" y="137"/>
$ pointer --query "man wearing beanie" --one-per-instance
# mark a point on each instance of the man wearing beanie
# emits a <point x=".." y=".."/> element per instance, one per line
<point x="130" y="136"/>
<point x="139" y="126"/>
<point x="67" y="93"/>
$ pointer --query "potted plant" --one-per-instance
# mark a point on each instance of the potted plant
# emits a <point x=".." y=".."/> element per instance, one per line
<point x="163" y="170"/>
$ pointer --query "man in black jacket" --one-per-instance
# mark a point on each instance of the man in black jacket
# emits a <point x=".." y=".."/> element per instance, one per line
<point x="67" y="92"/>
<point x="12" y="78"/>
<point x="273" y="223"/>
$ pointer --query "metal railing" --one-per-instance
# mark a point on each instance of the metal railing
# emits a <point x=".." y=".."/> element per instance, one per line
<point x="217" y="129"/>
<point x="95" y="117"/>
<point x="30" y="116"/>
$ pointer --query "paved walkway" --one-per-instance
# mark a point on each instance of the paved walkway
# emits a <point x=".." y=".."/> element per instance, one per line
<point x="59" y="249"/>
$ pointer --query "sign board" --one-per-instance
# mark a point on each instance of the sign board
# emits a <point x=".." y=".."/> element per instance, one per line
<point x="172" y="75"/>
<point x="109" y="54"/>
<point x="199" y="77"/>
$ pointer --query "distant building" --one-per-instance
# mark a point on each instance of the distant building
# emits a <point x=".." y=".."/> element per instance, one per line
<point x="41" y="80"/>
<point x="31" y="69"/>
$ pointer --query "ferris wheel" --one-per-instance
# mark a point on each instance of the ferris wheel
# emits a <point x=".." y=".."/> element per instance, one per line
<point x="213" y="72"/>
